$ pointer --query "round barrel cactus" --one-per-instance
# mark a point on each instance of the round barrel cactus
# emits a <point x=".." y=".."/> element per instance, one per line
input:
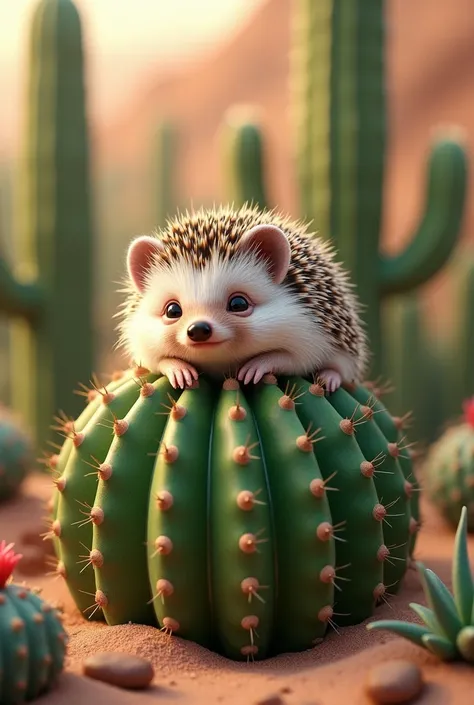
<point x="246" y="519"/>
<point x="32" y="639"/>
<point x="449" y="470"/>
<point x="16" y="455"/>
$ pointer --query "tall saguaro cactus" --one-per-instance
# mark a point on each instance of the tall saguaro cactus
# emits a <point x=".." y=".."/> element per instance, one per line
<point x="338" y="98"/>
<point x="48" y="291"/>
<point x="339" y="92"/>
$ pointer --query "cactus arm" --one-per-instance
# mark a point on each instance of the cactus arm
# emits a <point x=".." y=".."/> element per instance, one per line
<point x="124" y="529"/>
<point x="311" y="78"/>
<point x="243" y="149"/>
<point x="438" y="231"/>
<point x="18" y="298"/>
<point x="183" y="605"/>
<point x="304" y="601"/>
<point x="236" y="613"/>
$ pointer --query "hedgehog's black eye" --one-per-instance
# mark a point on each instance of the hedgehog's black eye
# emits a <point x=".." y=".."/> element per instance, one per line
<point x="173" y="310"/>
<point x="237" y="304"/>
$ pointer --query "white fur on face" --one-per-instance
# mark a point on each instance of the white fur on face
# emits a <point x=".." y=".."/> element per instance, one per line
<point x="279" y="321"/>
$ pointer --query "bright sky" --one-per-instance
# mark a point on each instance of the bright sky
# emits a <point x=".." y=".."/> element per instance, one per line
<point x="124" y="37"/>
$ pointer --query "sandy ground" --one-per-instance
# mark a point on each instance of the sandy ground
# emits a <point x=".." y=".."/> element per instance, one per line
<point x="333" y="673"/>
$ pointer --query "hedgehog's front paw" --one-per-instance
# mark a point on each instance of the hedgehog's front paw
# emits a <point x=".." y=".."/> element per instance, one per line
<point x="332" y="380"/>
<point x="179" y="373"/>
<point x="255" y="369"/>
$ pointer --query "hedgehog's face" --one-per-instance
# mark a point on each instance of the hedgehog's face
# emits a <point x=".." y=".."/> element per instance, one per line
<point x="214" y="316"/>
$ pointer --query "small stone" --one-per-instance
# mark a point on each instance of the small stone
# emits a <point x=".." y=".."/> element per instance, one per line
<point x="271" y="700"/>
<point x="394" y="682"/>
<point x="122" y="670"/>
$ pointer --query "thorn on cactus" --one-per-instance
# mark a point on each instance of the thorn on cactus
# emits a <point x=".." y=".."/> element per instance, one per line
<point x="242" y="454"/>
<point x="170" y="625"/>
<point x="175" y="410"/>
<point x="251" y="588"/>
<point x="163" y="589"/>
<point x="326" y="531"/>
<point x="163" y="546"/>
<point x="164" y="500"/>
<point x="248" y="542"/>
<point x="231" y="384"/>
<point x="316" y="389"/>
<point x="169" y="453"/>
<point x="246" y="500"/>
<point x="237" y="412"/>
<point x="100" y="601"/>
<point x="318" y="486"/>
<point x="306" y="441"/>
<point x="8" y="561"/>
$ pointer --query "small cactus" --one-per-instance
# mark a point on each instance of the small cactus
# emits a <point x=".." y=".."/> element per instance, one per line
<point x="16" y="457"/>
<point x="449" y="470"/>
<point x="448" y="621"/>
<point x="32" y="638"/>
<point x="244" y="514"/>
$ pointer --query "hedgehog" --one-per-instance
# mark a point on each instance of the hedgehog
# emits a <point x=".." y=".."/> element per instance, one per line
<point x="243" y="291"/>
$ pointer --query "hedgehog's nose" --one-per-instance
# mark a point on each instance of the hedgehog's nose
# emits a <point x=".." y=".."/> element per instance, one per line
<point x="199" y="332"/>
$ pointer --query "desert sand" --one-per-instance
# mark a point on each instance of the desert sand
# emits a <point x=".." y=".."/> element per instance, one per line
<point x="332" y="673"/>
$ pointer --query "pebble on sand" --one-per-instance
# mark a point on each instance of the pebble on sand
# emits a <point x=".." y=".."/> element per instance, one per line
<point x="122" y="670"/>
<point x="394" y="682"/>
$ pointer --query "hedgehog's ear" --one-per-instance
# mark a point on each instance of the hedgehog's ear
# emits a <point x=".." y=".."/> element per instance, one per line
<point x="272" y="243"/>
<point x="140" y="257"/>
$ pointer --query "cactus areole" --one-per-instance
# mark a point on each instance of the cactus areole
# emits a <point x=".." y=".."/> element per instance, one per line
<point x="32" y="639"/>
<point x="247" y="519"/>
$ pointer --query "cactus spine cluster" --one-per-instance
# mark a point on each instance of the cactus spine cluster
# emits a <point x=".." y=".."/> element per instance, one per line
<point x="448" y="471"/>
<point x="16" y="457"/>
<point x="31" y="635"/>
<point x="49" y="295"/>
<point x="243" y="514"/>
<point x="448" y="621"/>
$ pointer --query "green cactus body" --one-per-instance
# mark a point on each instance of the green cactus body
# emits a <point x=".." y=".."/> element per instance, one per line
<point x="32" y="638"/>
<point x="120" y="498"/>
<point x="178" y="511"/>
<point x="392" y="429"/>
<point x="360" y="533"/>
<point x="448" y="621"/>
<point x="232" y="494"/>
<point x="76" y="511"/>
<point x="16" y="456"/>
<point x="243" y="149"/>
<point x="448" y="470"/>
<point x="339" y="96"/>
<point x="392" y="504"/>
<point x="240" y="500"/>
<point x="49" y="294"/>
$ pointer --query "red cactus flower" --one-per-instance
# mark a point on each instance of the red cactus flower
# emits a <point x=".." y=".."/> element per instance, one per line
<point x="8" y="561"/>
<point x="468" y="408"/>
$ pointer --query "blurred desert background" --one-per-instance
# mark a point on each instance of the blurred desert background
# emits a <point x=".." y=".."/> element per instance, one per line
<point x="189" y="61"/>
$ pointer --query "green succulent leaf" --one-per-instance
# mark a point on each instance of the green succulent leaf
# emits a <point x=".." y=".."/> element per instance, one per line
<point x="462" y="577"/>
<point x="442" y="648"/>
<point x="428" y="617"/>
<point x="441" y="602"/>
<point x="465" y="643"/>
<point x="413" y="632"/>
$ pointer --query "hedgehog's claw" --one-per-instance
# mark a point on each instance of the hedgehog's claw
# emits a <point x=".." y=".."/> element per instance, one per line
<point x="332" y="379"/>
<point x="179" y="373"/>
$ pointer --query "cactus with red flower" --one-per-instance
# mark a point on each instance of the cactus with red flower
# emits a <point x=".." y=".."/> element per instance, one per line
<point x="32" y="639"/>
